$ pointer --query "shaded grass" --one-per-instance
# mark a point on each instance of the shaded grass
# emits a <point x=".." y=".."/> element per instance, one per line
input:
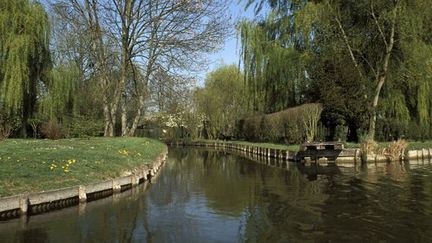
<point x="39" y="165"/>
<point x="293" y="148"/>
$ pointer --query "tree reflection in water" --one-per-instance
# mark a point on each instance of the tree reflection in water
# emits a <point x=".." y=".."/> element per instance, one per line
<point x="210" y="196"/>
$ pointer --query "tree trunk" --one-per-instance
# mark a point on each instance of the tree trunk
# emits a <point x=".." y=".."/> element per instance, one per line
<point x="138" y="116"/>
<point x="108" y="130"/>
<point x="382" y="78"/>
<point x="124" y="126"/>
<point x="372" y="123"/>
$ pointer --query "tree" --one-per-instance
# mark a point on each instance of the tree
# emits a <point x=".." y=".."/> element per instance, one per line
<point x="144" y="36"/>
<point x="24" y="57"/>
<point x="363" y="59"/>
<point x="274" y="64"/>
<point x="223" y="100"/>
<point x="310" y="117"/>
<point x="379" y="63"/>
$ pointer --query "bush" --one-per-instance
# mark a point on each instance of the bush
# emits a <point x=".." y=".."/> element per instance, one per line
<point x="85" y="127"/>
<point x="341" y="132"/>
<point x="7" y="125"/>
<point x="35" y="124"/>
<point x="52" y="130"/>
<point x="5" y="131"/>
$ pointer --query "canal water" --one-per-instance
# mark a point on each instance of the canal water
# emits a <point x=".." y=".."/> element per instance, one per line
<point x="211" y="196"/>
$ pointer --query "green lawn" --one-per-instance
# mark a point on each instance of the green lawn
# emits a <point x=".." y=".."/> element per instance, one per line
<point x="37" y="165"/>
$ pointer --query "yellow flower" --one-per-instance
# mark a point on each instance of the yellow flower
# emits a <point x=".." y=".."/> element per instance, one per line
<point x="66" y="170"/>
<point x="123" y="152"/>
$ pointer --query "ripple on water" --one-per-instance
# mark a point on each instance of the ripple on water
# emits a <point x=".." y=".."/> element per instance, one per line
<point x="208" y="196"/>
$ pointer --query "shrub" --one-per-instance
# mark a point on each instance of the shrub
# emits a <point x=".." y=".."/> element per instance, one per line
<point x="52" y="130"/>
<point x="5" y="131"/>
<point x="7" y="125"/>
<point x="341" y="133"/>
<point x="35" y="124"/>
<point x="85" y="127"/>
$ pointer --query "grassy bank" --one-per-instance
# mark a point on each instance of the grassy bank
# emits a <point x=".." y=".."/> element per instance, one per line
<point x="37" y="165"/>
<point x="293" y="148"/>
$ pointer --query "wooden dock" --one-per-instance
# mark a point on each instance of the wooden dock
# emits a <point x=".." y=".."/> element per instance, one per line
<point x="316" y="150"/>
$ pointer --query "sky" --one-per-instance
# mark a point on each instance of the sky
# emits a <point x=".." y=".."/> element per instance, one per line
<point x="230" y="51"/>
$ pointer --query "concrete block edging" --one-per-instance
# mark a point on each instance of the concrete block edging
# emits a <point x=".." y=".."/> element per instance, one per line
<point x="35" y="203"/>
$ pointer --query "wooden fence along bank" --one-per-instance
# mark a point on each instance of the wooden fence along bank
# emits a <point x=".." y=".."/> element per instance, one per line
<point x="36" y="203"/>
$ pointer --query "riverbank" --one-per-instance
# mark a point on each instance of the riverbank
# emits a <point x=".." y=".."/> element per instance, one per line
<point x="412" y="145"/>
<point x="28" y="166"/>
<point x="350" y="154"/>
<point x="291" y="147"/>
<point x="125" y="173"/>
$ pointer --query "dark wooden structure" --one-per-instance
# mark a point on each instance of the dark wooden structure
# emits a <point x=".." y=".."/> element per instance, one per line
<point x="317" y="150"/>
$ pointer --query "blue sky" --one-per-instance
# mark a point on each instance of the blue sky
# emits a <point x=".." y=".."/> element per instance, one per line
<point x="229" y="54"/>
<point x="229" y="51"/>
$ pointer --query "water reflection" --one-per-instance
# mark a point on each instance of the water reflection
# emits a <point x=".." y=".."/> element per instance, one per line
<point x="213" y="196"/>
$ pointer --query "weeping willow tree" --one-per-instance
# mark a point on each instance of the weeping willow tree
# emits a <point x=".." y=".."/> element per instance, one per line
<point x="24" y="57"/>
<point x="413" y="78"/>
<point x="374" y="56"/>
<point x="275" y="54"/>
<point x="60" y="98"/>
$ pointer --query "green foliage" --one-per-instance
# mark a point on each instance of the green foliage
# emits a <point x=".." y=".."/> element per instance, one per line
<point x="274" y="68"/>
<point x="333" y="52"/>
<point x="82" y="127"/>
<point x="24" y="53"/>
<point x="222" y="101"/>
<point x="61" y="98"/>
<point x="8" y="124"/>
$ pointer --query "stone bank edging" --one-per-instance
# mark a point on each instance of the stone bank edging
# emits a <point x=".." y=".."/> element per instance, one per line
<point x="35" y="203"/>
<point x="346" y="156"/>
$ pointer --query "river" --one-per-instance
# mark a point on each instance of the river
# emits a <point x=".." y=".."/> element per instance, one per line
<point x="212" y="196"/>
